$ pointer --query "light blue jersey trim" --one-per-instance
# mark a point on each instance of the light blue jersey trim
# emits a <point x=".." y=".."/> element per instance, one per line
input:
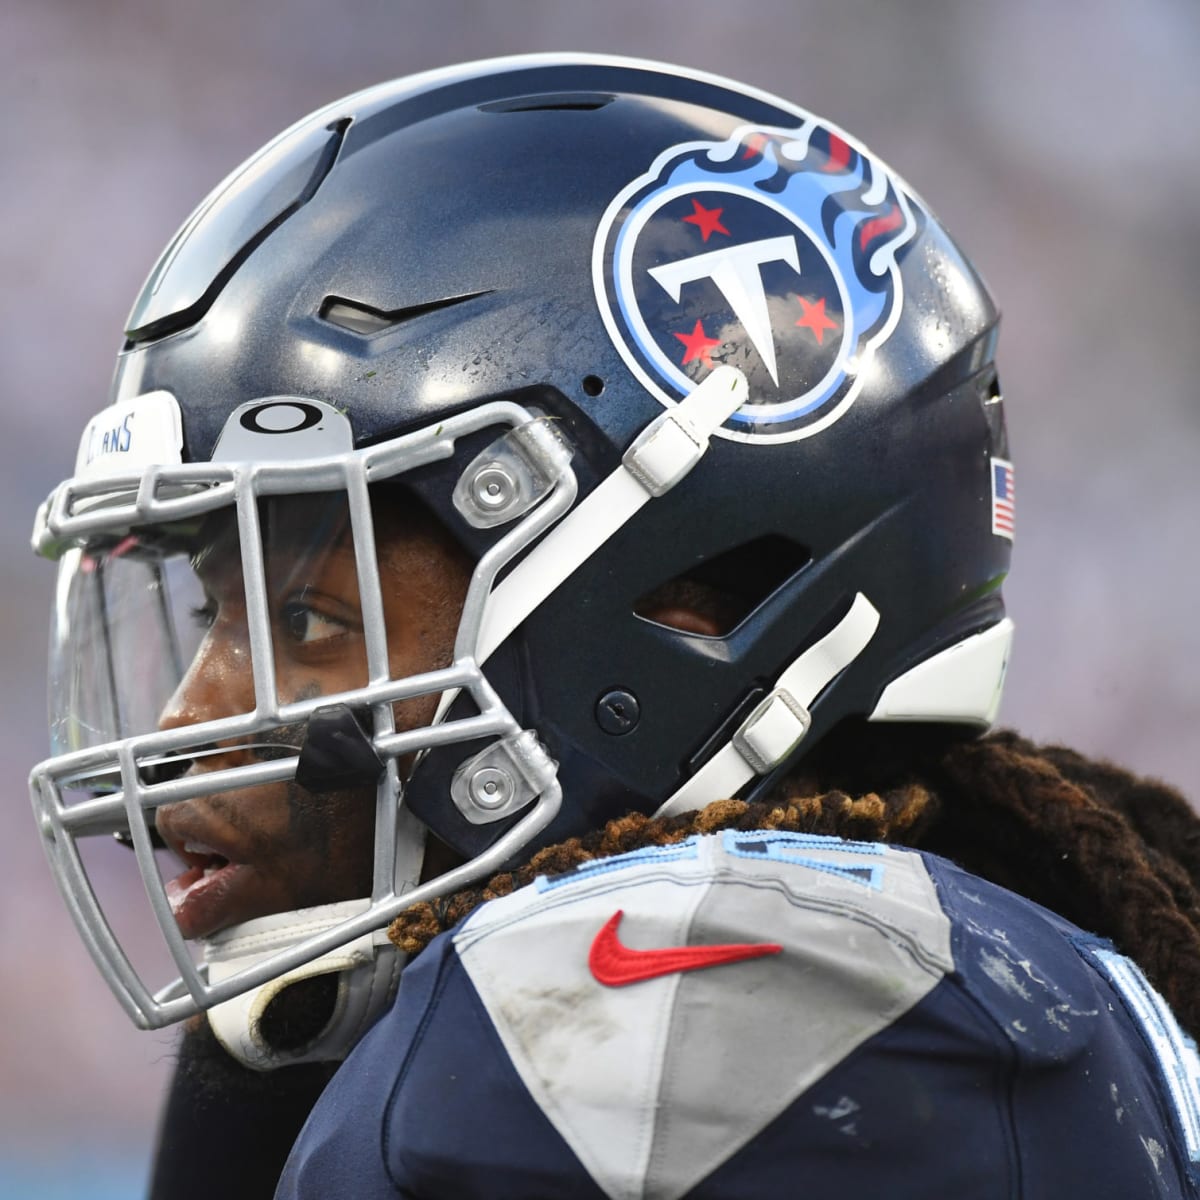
<point x="790" y="848"/>
<point x="688" y="848"/>
<point x="1174" y="1050"/>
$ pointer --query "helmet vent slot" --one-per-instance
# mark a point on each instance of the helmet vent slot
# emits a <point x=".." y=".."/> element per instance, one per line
<point x="365" y="320"/>
<point x="556" y="102"/>
<point x="993" y="411"/>
<point x="723" y="591"/>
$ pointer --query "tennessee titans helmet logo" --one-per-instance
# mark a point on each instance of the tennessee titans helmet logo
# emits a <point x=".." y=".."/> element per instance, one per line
<point x="776" y="251"/>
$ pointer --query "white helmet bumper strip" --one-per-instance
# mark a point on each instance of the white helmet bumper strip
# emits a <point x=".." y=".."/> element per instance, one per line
<point x="145" y="431"/>
<point x="776" y="725"/>
<point x="961" y="684"/>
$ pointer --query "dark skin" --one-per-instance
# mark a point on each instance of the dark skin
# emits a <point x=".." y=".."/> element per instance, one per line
<point x="290" y="848"/>
<point x="277" y="847"/>
<point x="287" y="848"/>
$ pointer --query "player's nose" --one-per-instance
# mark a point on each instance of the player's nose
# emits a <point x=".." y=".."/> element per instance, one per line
<point x="219" y="683"/>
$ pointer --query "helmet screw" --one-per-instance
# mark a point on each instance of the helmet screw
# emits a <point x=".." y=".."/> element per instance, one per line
<point x="490" y="788"/>
<point x="493" y="487"/>
<point x="618" y="711"/>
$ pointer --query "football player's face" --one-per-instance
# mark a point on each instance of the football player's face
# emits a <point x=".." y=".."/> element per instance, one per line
<point x="276" y="847"/>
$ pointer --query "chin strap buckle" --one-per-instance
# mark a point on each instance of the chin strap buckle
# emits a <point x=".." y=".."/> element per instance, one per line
<point x="772" y="731"/>
<point x="779" y="722"/>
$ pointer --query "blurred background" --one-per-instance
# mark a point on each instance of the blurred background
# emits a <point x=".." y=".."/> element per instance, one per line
<point x="1057" y="141"/>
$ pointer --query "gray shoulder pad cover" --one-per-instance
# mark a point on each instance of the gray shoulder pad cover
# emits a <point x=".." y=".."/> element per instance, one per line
<point x="655" y="1069"/>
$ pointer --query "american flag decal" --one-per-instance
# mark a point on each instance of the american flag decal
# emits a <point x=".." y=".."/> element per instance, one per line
<point x="1003" y="498"/>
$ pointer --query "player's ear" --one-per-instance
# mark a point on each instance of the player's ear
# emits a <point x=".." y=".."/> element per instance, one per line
<point x="683" y="618"/>
<point x="691" y="606"/>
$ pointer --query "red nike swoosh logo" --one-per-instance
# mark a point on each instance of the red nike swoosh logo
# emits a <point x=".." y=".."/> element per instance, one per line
<point x="616" y="965"/>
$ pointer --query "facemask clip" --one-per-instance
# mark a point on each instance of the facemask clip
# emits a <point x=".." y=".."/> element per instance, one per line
<point x="502" y="778"/>
<point x="509" y="477"/>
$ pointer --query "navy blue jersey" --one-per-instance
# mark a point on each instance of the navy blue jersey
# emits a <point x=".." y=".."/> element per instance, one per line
<point x="762" y="1015"/>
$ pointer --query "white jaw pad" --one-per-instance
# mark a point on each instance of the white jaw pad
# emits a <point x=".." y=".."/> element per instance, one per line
<point x="961" y="684"/>
<point x="368" y="966"/>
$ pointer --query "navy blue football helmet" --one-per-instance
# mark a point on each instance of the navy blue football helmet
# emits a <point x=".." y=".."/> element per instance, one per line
<point x="638" y="338"/>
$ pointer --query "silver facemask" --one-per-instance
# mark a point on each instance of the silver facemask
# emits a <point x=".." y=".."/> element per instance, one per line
<point x="157" y="557"/>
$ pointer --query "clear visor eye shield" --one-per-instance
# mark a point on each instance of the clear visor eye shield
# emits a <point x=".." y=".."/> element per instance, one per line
<point x="235" y="580"/>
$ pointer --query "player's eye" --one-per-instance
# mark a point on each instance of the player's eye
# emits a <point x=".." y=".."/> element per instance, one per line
<point x="305" y="625"/>
<point x="204" y="615"/>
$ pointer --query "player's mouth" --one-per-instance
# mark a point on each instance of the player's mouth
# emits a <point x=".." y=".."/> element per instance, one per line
<point x="214" y="890"/>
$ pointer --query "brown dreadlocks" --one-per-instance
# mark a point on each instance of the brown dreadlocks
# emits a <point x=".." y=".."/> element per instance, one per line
<point x="1117" y="855"/>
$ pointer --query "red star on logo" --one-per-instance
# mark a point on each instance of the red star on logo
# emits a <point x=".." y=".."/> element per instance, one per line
<point x="707" y="220"/>
<point x="814" y="318"/>
<point x="698" y="345"/>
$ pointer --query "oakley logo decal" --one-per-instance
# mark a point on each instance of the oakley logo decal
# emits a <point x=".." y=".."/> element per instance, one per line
<point x="286" y="429"/>
<point x="614" y="964"/>
<point x="281" y="416"/>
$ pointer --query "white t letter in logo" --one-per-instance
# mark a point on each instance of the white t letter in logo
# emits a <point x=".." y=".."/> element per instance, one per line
<point x="736" y="271"/>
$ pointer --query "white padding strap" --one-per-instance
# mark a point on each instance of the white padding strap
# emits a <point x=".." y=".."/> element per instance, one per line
<point x="662" y="454"/>
<point x="773" y="729"/>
